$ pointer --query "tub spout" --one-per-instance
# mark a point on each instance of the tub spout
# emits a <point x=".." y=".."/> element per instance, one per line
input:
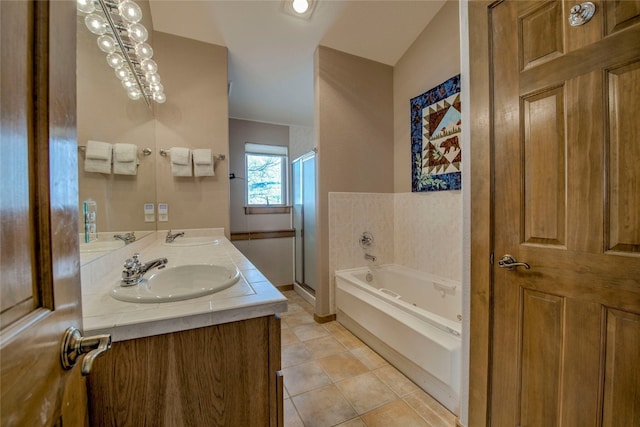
<point x="370" y="257"/>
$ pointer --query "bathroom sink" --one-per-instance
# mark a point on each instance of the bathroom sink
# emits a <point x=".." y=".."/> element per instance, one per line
<point x="101" y="246"/>
<point x="178" y="283"/>
<point x="193" y="241"/>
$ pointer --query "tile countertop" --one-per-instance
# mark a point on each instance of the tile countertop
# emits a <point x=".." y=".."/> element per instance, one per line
<point x="253" y="296"/>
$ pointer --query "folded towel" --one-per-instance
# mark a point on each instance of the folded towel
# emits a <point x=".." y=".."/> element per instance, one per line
<point x="180" y="161"/>
<point x="203" y="162"/>
<point x="125" y="159"/>
<point x="97" y="157"/>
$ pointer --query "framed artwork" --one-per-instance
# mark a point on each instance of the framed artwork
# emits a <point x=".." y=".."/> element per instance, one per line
<point x="436" y="122"/>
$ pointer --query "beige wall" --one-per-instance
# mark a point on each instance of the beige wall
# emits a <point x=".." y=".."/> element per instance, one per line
<point x="354" y="129"/>
<point x="194" y="75"/>
<point x="105" y="113"/>
<point x="433" y="58"/>
<point x="273" y="257"/>
<point x="241" y="131"/>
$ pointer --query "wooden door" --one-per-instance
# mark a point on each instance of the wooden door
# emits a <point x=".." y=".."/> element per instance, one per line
<point x="39" y="274"/>
<point x="566" y="200"/>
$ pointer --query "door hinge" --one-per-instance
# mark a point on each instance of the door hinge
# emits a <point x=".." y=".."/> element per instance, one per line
<point x="491" y="258"/>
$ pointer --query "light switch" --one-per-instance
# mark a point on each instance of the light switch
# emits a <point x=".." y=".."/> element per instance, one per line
<point x="163" y="212"/>
<point x="149" y="212"/>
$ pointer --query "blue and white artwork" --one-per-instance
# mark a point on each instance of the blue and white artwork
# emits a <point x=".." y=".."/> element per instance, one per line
<point x="436" y="123"/>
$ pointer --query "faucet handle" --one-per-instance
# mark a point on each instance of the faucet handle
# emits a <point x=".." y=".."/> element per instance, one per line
<point x="132" y="262"/>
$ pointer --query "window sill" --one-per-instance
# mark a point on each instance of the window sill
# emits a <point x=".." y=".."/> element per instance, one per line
<point x="262" y="210"/>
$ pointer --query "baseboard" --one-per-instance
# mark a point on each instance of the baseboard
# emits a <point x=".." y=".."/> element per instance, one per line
<point x="324" y="319"/>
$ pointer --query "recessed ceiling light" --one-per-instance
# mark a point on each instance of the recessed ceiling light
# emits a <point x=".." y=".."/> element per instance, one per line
<point x="299" y="8"/>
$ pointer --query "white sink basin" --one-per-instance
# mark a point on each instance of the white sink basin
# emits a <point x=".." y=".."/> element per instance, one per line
<point x="193" y="241"/>
<point x="178" y="283"/>
<point x="101" y="246"/>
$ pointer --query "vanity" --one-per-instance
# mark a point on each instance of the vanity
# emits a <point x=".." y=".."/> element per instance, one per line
<point x="209" y="360"/>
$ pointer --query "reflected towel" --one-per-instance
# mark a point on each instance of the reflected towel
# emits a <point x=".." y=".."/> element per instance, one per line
<point x="203" y="162"/>
<point x="125" y="159"/>
<point x="97" y="157"/>
<point x="180" y="161"/>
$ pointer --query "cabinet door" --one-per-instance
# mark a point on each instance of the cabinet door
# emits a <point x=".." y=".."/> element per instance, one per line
<point x="222" y="375"/>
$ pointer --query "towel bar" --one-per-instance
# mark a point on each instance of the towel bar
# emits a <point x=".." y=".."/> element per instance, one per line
<point x="145" y="151"/>
<point x="165" y="153"/>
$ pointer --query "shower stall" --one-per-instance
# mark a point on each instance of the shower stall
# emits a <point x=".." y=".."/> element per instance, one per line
<point x="303" y="176"/>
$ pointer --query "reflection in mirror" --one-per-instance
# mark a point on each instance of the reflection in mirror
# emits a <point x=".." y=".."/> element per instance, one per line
<point x="106" y="114"/>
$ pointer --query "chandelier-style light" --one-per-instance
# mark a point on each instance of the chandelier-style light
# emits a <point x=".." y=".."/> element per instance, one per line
<point x="124" y="39"/>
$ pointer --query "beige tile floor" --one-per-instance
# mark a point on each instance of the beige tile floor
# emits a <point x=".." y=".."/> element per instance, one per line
<point x="332" y="378"/>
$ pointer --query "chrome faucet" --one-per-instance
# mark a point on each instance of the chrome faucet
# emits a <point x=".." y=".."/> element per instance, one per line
<point x="370" y="257"/>
<point x="126" y="238"/>
<point x="171" y="237"/>
<point x="134" y="269"/>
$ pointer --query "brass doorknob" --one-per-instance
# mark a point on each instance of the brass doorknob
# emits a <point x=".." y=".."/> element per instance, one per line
<point x="510" y="263"/>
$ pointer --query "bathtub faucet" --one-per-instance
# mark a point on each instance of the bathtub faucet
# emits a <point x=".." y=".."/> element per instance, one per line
<point x="370" y="257"/>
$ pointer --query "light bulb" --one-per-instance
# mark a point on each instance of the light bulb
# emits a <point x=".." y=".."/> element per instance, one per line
<point x="134" y="94"/>
<point x="159" y="97"/>
<point x="153" y="78"/>
<point x="144" y="51"/>
<point x="85" y="6"/>
<point x="107" y="44"/>
<point x="300" y="6"/>
<point x="129" y="83"/>
<point x="130" y="11"/>
<point x="156" y="87"/>
<point x="138" y="33"/>
<point x="115" y="60"/>
<point x="96" y="24"/>
<point x="149" y="66"/>
<point x="123" y="73"/>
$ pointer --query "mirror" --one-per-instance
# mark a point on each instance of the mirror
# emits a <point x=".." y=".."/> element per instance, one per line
<point x="105" y="113"/>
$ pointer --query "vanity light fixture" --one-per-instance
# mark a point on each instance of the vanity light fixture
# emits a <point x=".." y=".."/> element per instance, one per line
<point x="299" y="8"/>
<point x="123" y="38"/>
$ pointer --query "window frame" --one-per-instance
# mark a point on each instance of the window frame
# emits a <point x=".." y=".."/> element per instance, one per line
<point x="268" y="150"/>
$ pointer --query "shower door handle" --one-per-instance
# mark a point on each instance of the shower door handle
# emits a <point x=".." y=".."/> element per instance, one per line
<point x="508" y="262"/>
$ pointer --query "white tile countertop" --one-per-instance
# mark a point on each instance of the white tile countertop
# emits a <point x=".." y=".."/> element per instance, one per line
<point x="252" y="296"/>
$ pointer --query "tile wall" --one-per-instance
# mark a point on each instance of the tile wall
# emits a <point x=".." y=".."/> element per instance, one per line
<point x="421" y="231"/>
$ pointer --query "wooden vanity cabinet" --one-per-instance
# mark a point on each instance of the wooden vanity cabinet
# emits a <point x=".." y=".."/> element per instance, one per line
<point x="222" y="375"/>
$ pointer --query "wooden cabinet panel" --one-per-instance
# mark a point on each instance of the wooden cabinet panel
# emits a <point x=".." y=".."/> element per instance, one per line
<point x="223" y="375"/>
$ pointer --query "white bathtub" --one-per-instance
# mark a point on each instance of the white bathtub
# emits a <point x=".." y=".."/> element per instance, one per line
<point x="410" y="318"/>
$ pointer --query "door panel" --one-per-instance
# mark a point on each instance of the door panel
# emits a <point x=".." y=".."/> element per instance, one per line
<point x="621" y="368"/>
<point x="566" y="200"/>
<point x="40" y="264"/>
<point x="544" y="150"/>
<point x="624" y="150"/>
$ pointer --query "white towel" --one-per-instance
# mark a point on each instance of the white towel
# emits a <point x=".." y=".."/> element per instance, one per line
<point x="97" y="157"/>
<point x="180" y="161"/>
<point x="203" y="162"/>
<point x="125" y="159"/>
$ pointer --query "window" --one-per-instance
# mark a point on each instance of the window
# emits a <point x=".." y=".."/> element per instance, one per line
<point x="266" y="167"/>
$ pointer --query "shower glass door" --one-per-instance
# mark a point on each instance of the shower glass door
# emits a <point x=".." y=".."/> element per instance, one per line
<point x="304" y="218"/>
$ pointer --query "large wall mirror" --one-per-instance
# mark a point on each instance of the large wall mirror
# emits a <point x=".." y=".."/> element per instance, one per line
<point x="106" y="114"/>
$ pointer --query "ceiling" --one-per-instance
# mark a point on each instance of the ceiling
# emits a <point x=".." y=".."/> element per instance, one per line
<point x="271" y="53"/>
